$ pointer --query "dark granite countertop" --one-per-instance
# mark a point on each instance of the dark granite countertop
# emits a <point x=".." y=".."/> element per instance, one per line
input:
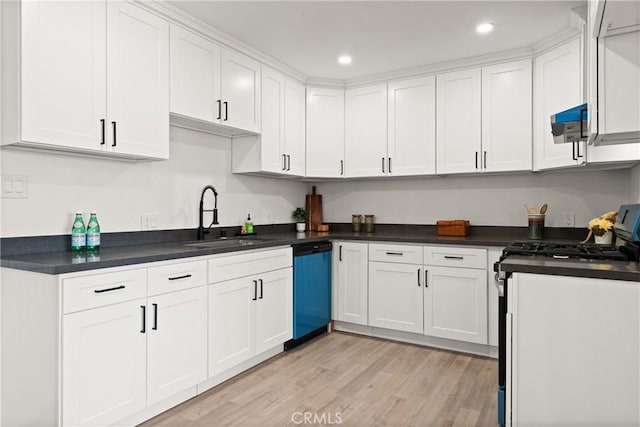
<point x="49" y="254"/>
<point x="614" y="270"/>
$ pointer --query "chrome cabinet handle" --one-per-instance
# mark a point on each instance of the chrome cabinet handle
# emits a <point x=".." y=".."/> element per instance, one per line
<point x="99" y="291"/>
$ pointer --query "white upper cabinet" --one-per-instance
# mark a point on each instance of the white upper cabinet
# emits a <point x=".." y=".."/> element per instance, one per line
<point x="325" y="133"/>
<point x="557" y="86"/>
<point x="411" y="141"/>
<point x="458" y="123"/>
<point x="195" y="76"/>
<point x="137" y="81"/>
<point x="240" y="91"/>
<point x="213" y="85"/>
<point x="94" y="78"/>
<point x="64" y="85"/>
<point x="506" y="117"/>
<point x="365" y="138"/>
<point x="279" y="149"/>
<point x="294" y="137"/>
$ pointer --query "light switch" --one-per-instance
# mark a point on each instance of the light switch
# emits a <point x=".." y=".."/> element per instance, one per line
<point x="14" y="186"/>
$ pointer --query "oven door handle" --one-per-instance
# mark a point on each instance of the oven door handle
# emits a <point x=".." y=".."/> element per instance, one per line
<point x="498" y="282"/>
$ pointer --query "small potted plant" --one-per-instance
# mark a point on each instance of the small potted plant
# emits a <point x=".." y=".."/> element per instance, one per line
<point x="300" y="215"/>
<point x="601" y="228"/>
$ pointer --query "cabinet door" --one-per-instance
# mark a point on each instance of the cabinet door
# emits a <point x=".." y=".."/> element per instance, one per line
<point x="351" y="287"/>
<point x="294" y="138"/>
<point x="274" y="309"/>
<point x="232" y="323"/>
<point x="240" y="91"/>
<point x="137" y="81"/>
<point x="63" y="73"/>
<point x="103" y="364"/>
<point x="506" y="117"/>
<point x="395" y="296"/>
<point x="325" y="132"/>
<point x="455" y="304"/>
<point x="411" y="144"/>
<point x="458" y="122"/>
<point x="177" y="342"/>
<point x="557" y="86"/>
<point x="365" y="136"/>
<point x="272" y="155"/>
<point x="195" y="76"/>
<point x="493" y="255"/>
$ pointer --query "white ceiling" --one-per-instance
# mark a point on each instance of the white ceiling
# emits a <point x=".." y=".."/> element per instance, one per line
<point x="381" y="36"/>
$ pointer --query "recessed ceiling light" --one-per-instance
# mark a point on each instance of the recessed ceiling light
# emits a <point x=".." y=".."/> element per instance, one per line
<point x="344" y="59"/>
<point x="485" y="28"/>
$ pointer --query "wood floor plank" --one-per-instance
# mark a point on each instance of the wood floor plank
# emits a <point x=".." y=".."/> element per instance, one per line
<point x="361" y="381"/>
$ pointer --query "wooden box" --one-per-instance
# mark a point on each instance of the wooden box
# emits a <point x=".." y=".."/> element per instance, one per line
<point x="456" y="228"/>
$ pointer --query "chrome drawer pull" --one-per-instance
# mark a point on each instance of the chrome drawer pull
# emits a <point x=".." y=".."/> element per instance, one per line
<point x="99" y="291"/>
<point x="395" y="253"/>
<point x="186" y="276"/>
<point x="453" y="257"/>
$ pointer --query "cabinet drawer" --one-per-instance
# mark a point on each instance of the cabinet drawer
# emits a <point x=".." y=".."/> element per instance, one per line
<point x="455" y="256"/>
<point x="81" y="293"/>
<point x="231" y="266"/>
<point x="403" y="254"/>
<point x="175" y="277"/>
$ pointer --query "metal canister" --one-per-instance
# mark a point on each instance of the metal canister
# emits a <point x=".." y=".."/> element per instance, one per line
<point x="536" y="226"/>
<point x="369" y="221"/>
<point x="356" y="222"/>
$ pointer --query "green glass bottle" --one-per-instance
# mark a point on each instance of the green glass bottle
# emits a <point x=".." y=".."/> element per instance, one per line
<point x="78" y="234"/>
<point x="93" y="233"/>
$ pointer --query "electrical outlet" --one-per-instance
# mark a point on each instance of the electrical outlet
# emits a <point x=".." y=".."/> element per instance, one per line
<point x="14" y="186"/>
<point x="149" y="221"/>
<point x="569" y="219"/>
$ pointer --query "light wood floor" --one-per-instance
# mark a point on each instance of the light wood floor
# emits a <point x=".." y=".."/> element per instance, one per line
<point x="355" y="380"/>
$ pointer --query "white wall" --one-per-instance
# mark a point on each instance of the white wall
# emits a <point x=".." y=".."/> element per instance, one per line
<point x="634" y="195"/>
<point x="121" y="191"/>
<point x="484" y="200"/>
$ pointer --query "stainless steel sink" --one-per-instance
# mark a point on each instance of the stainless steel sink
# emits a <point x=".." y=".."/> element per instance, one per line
<point x="224" y="243"/>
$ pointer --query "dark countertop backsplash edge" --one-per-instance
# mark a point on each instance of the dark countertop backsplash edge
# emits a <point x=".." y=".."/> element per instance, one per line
<point x="10" y="246"/>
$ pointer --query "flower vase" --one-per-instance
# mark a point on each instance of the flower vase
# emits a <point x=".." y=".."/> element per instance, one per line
<point x="301" y="227"/>
<point x="605" y="239"/>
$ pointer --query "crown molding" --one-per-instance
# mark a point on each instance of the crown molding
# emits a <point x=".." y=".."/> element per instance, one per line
<point x="191" y="23"/>
<point x="325" y="83"/>
<point x="554" y="40"/>
<point x="446" y="66"/>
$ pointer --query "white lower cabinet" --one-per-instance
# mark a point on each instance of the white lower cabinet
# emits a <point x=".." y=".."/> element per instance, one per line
<point x="252" y="313"/>
<point x="176" y="342"/>
<point x="350" y="282"/>
<point x="455" y="303"/>
<point x="395" y="296"/>
<point x="104" y="364"/>
<point x="232" y="324"/>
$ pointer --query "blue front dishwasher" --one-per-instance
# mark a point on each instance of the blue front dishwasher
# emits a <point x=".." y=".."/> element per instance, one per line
<point x="311" y="291"/>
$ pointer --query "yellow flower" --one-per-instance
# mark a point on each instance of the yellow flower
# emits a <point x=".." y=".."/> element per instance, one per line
<point x="601" y="225"/>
